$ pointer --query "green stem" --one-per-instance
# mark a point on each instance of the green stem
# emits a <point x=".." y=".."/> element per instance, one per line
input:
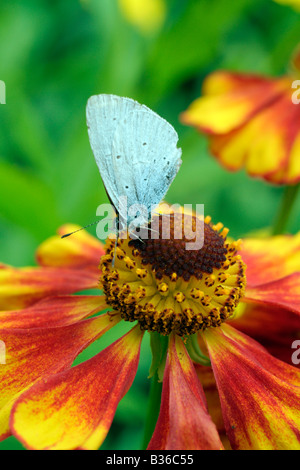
<point x="153" y="409"/>
<point x="195" y="352"/>
<point x="287" y="203"/>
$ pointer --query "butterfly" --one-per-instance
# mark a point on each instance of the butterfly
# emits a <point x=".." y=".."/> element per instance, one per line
<point x="136" y="153"/>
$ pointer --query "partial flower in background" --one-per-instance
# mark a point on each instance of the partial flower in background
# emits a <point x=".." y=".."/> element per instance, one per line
<point x="175" y="295"/>
<point x="251" y="122"/>
<point x="292" y="3"/>
<point x="147" y="15"/>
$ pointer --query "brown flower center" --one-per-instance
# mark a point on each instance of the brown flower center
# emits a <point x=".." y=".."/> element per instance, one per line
<point x="166" y="287"/>
<point x="168" y="256"/>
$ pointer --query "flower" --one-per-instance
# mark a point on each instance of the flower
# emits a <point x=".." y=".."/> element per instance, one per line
<point x="251" y="122"/>
<point x="147" y="16"/>
<point x="294" y="3"/>
<point x="185" y="296"/>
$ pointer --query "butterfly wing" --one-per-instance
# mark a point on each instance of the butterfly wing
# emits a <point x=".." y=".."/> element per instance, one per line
<point x="145" y="157"/>
<point x="134" y="148"/>
<point x="103" y="114"/>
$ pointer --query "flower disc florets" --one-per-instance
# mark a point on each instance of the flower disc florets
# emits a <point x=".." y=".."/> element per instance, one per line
<point x="166" y="287"/>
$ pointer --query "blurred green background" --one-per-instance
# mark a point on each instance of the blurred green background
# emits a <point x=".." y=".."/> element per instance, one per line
<point x="55" y="54"/>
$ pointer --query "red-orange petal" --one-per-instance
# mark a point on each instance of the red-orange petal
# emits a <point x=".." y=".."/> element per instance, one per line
<point x="53" y="311"/>
<point x="74" y="409"/>
<point x="36" y="353"/>
<point x="229" y="100"/>
<point x="251" y="121"/>
<point x="271" y="258"/>
<point x="77" y="251"/>
<point x="21" y="287"/>
<point x="259" y="394"/>
<point x="274" y="327"/>
<point x="183" y="422"/>
<point x="208" y="382"/>
<point x="284" y="293"/>
<point x="264" y="145"/>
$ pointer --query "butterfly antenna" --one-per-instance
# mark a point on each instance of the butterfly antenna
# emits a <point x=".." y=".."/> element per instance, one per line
<point x="115" y="250"/>
<point x="151" y="229"/>
<point x="82" y="228"/>
<point x="137" y="237"/>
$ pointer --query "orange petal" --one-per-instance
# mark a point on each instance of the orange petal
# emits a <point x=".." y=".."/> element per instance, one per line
<point x="53" y="311"/>
<point x="259" y="394"/>
<point x="272" y="258"/>
<point x="251" y="122"/>
<point x="77" y="251"/>
<point x="229" y="100"/>
<point x="208" y="382"/>
<point x="289" y="174"/>
<point x="76" y="407"/>
<point x="264" y="143"/>
<point x="273" y="327"/>
<point x="36" y="353"/>
<point x="21" y="287"/>
<point x="183" y="422"/>
<point x="282" y="293"/>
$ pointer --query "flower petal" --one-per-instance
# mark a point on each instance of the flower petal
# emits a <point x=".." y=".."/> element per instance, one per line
<point x="282" y="293"/>
<point x="272" y="258"/>
<point x="75" y="408"/>
<point x="182" y="427"/>
<point x="35" y="353"/>
<point x="294" y="3"/>
<point x="147" y="16"/>
<point x="208" y="382"/>
<point x="252" y="122"/>
<point x="274" y="327"/>
<point x="53" y="311"/>
<point x="264" y="143"/>
<point x="229" y="100"/>
<point x="79" y="250"/>
<point x="259" y="394"/>
<point x="21" y="287"/>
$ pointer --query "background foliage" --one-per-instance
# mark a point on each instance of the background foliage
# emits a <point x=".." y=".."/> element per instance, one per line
<point x="55" y="54"/>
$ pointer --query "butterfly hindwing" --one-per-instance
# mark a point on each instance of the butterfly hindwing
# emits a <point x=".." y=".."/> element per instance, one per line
<point x="134" y="148"/>
<point x="145" y="157"/>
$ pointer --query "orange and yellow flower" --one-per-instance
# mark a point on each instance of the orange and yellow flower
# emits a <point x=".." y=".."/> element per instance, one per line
<point x="249" y="394"/>
<point x="252" y="122"/>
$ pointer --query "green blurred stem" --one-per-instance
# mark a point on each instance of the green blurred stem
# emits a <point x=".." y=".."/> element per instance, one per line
<point x="195" y="352"/>
<point x="287" y="203"/>
<point x="153" y="409"/>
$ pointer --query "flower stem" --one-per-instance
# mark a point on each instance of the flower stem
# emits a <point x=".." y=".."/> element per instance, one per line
<point x="287" y="203"/>
<point x="195" y="352"/>
<point x="153" y="409"/>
